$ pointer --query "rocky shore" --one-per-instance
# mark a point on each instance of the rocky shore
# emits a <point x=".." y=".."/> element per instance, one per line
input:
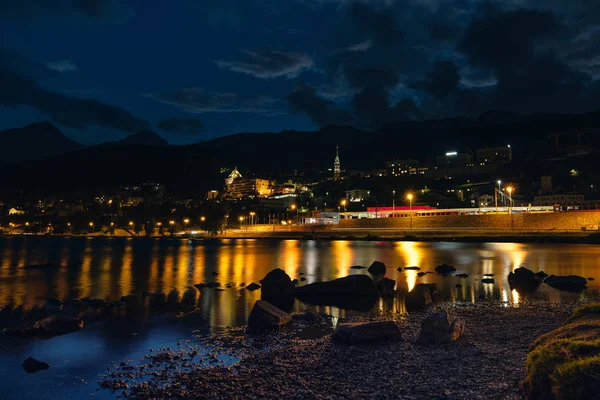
<point x="301" y="361"/>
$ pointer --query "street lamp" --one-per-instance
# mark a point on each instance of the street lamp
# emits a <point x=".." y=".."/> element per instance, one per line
<point x="92" y="225"/>
<point x="185" y="222"/>
<point x="410" y="197"/>
<point x="202" y="218"/>
<point x="130" y="223"/>
<point x="344" y="204"/>
<point x="252" y="214"/>
<point x="510" y="199"/>
<point x="393" y="202"/>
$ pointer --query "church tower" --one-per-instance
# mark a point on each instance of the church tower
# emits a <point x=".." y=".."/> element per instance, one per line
<point x="336" y="165"/>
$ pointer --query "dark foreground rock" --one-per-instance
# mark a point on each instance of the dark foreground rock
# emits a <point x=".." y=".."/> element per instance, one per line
<point x="412" y="268"/>
<point x="267" y="316"/>
<point x="357" y="267"/>
<point x="441" y="328"/>
<point x="253" y="286"/>
<point x="570" y="283"/>
<point x="488" y="280"/>
<point x="377" y="268"/>
<point x="445" y="269"/>
<point x="365" y="332"/>
<point x="31" y="365"/>
<point x="524" y="280"/>
<point x="385" y="287"/>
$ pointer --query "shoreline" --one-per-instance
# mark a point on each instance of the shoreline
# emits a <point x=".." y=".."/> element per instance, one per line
<point x="487" y="363"/>
<point x="574" y="237"/>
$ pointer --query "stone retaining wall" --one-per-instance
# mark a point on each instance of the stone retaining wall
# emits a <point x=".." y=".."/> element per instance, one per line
<point x="530" y="222"/>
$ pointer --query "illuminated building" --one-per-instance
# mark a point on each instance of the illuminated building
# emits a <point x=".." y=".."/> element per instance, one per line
<point x="336" y="165"/>
<point x="235" y="174"/>
<point x="212" y="195"/>
<point x="249" y="187"/>
<point x="455" y="159"/>
<point x="564" y="199"/>
<point x="14" y="211"/>
<point x="494" y="155"/>
<point x="357" y="195"/>
<point x="402" y="167"/>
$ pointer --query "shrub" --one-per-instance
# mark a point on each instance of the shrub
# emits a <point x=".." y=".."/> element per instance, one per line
<point x="578" y="379"/>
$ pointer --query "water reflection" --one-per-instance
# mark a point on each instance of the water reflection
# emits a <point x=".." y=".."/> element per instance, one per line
<point x="113" y="267"/>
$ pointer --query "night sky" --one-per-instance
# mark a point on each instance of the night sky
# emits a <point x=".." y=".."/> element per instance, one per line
<point x="191" y="70"/>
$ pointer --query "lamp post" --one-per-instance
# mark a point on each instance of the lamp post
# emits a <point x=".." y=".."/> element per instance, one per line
<point x="510" y="199"/>
<point x="185" y="222"/>
<point x="393" y="202"/>
<point x="252" y="214"/>
<point x="241" y="223"/>
<point x="92" y="225"/>
<point x="202" y="219"/>
<point x="344" y="204"/>
<point x="496" y="195"/>
<point x="410" y="199"/>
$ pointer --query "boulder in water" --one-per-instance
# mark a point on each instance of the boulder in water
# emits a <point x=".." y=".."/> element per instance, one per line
<point x="377" y="268"/>
<point x="524" y="280"/>
<point x="31" y="365"/>
<point x="276" y="283"/>
<point x="445" y="269"/>
<point x="386" y="287"/>
<point x="571" y="283"/>
<point x="57" y="325"/>
<point x="253" y="286"/>
<point x="418" y="298"/>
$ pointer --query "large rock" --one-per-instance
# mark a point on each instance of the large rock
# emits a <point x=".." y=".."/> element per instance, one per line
<point x="377" y="268"/>
<point x="357" y="285"/>
<point x="267" y="316"/>
<point x="31" y="365"/>
<point x="441" y="328"/>
<point x="355" y="333"/>
<point x="385" y="287"/>
<point x="418" y="298"/>
<point x="356" y="292"/>
<point x="276" y="283"/>
<point x="57" y="325"/>
<point x="445" y="269"/>
<point x="253" y="286"/>
<point x="571" y="283"/>
<point x="524" y="280"/>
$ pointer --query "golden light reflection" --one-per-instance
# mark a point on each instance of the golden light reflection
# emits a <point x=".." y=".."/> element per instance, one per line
<point x="342" y="258"/>
<point x="515" y="296"/>
<point x="125" y="278"/>
<point x="412" y="255"/>
<point x="291" y="256"/>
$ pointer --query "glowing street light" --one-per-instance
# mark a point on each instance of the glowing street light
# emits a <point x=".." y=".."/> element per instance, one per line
<point x="92" y="225"/>
<point x="393" y="202"/>
<point x="185" y="222"/>
<point x="159" y="224"/>
<point x="130" y="223"/>
<point x="344" y="204"/>
<point x="410" y="197"/>
<point x="203" y="218"/>
<point x="510" y="199"/>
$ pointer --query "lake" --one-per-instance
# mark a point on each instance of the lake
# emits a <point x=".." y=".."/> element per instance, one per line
<point x="108" y="268"/>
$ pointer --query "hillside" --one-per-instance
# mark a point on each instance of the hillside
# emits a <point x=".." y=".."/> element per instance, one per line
<point x="34" y="142"/>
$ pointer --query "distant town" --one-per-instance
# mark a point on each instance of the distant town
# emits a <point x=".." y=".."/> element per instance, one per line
<point x="476" y="181"/>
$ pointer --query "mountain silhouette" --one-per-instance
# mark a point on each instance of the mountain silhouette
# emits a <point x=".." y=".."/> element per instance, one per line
<point x="34" y="141"/>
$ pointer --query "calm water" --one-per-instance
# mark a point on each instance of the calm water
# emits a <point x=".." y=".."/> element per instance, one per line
<point x="109" y="268"/>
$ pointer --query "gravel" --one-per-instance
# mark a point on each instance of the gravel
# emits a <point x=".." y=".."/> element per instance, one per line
<point x="301" y="362"/>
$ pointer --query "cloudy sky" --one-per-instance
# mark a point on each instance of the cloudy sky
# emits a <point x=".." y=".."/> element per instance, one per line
<point x="196" y="69"/>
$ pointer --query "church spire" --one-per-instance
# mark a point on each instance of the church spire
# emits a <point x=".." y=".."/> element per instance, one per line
<point x="336" y="164"/>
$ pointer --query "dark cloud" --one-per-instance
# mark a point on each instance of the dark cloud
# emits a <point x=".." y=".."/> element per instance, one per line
<point x="197" y="101"/>
<point x="270" y="63"/>
<point x="184" y="126"/>
<point x="36" y="10"/>
<point x="18" y="77"/>
<point x="304" y="99"/>
<point x="62" y="66"/>
<point x="442" y="80"/>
